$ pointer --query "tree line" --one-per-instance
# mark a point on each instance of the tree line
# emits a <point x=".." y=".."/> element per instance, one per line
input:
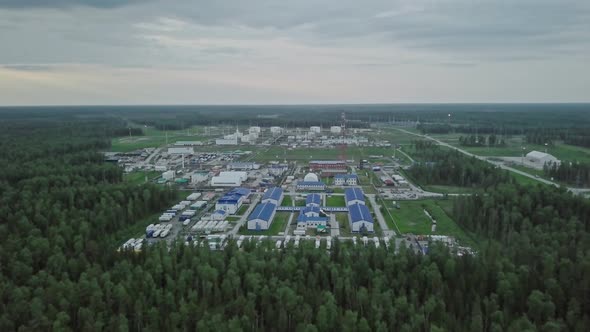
<point x="442" y="166"/>
<point x="574" y="173"/>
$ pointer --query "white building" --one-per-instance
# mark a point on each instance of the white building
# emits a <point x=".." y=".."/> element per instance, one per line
<point x="541" y="158"/>
<point x="273" y="195"/>
<point x="335" y="129"/>
<point x="168" y="175"/>
<point x="242" y="175"/>
<point x="226" y="141"/>
<point x="262" y="216"/>
<point x="226" y="181"/>
<point x="243" y="166"/>
<point x="360" y="218"/>
<point x="199" y="177"/>
<point x="315" y="129"/>
<point x="188" y="143"/>
<point x="345" y="179"/>
<point x="254" y="129"/>
<point x="276" y="130"/>
<point x="183" y="150"/>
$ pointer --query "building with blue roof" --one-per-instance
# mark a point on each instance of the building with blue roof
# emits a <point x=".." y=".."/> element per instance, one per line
<point x="311" y="185"/>
<point x="261" y="218"/>
<point x="360" y="218"/>
<point x="345" y="180"/>
<point x="310" y="217"/>
<point x="273" y="195"/>
<point x="219" y="215"/>
<point x="313" y="200"/>
<point x="354" y="196"/>
<point x="232" y="201"/>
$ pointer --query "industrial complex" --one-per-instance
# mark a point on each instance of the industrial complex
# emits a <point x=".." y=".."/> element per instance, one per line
<point x="235" y="194"/>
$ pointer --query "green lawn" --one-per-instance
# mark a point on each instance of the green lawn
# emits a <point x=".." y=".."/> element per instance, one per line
<point x="138" y="177"/>
<point x="411" y="218"/>
<point x="524" y="180"/>
<point x="242" y="209"/>
<point x="232" y="218"/>
<point x="287" y="201"/>
<point x="307" y="154"/>
<point x="278" y="225"/>
<point x="514" y="148"/>
<point x="342" y="219"/>
<point x="335" y="201"/>
<point x="155" y="138"/>
<point x="448" y="189"/>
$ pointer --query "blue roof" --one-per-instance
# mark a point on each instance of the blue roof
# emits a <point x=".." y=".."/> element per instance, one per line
<point x="307" y="209"/>
<point x="240" y="191"/>
<point x="223" y="212"/>
<point x="354" y="193"/>
<point x="273" y="193"/>
<point x="313" y="198"/>
<point x="234" y="195"/>
<point x="263" y="211"/>
<point x="310" y="183"/>
<point x="359" y="212"/>
<point x="229" y="199"/>
<point x="304" y="218"/>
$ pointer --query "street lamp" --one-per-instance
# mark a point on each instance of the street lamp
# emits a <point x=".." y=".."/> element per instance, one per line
<point x="546" y="144"/>
<point x="522" y="160"/>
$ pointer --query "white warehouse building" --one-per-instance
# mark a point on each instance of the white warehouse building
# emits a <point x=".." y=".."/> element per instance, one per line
<point x="335" y="129"/>
<point x="315" y="129"/>
<point x="181" y="150"/>
<point x="541" y="158"/>
<point x="229" y="179"/>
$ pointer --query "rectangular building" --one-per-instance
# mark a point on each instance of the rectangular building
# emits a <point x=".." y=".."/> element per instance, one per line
<point x="233" y="200"/>
<point x="273" y="195"/>
<point x="321" y="165"/>
<point x="261" y="218"/>
<point x="184" y="150"/>
<point x="345" y="180"/>
<point x="313" y="200"/>
<point x="311" y="185"/>
<point x="354" y="196"/>
<point x="360" y="219"/>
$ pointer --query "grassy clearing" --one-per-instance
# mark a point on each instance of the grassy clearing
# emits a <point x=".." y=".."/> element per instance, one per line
<point x="287" y="201"/>
<point x="232" y="218"/>
<point x="154" y="138"/>
<point x="342" y="219"/>
<point x="411" y="218"/>
<point x="514" y="148"/>
<point x="242" y="209"/>
<point x="524" y="180"/>
<point x="307" y="154"/>
<point x="448" y="189"/>
<point x="139" y="177"/>
<point x="278" y="225"/>
<point x="335" y="201"/>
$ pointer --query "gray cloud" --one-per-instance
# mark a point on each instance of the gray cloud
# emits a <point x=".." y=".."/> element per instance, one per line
<point x="292" y="44"/>
<point x="65" y="3"/>
<point x="28" y="67"/>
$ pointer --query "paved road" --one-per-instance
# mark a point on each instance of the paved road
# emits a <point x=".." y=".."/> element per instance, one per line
<point x="499" y="164"/>
<point x="244" y="217"/>
<point x="380" y="219"/>
<point x="334" y="226"/>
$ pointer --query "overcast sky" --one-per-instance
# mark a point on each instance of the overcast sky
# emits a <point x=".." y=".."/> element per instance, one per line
<point x="304" y="51"/>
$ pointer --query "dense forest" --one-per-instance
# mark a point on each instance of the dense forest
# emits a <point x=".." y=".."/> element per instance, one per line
<point x="64" y="213"/>
<point x="574" y="173"/>
<point x="482" y="140"/>
<point x="442" y="166"/>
